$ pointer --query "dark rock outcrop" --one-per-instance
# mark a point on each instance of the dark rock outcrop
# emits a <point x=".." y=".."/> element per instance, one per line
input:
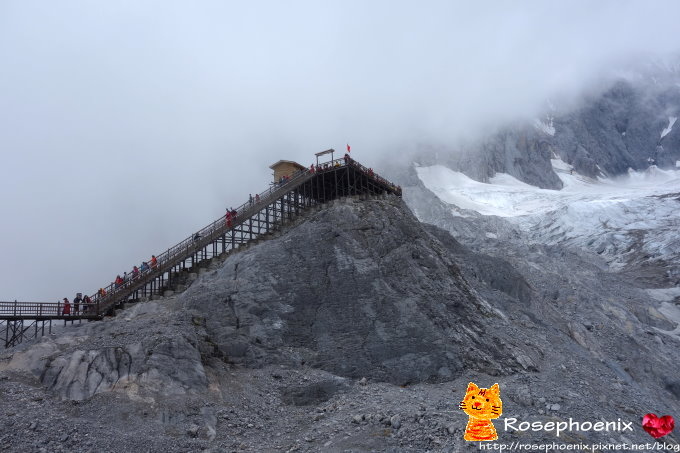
<point x="358" y="289"/>
<point x="143" y="353"/>
<point x="495" y="272"/>
<point x="620" y="130"/>
<point x="313" y="393"/>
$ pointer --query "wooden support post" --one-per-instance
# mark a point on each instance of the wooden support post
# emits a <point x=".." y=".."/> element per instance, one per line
<point x="283" y="212"/>
<point x="335" y="188"/>
<point x="266" y="218"/>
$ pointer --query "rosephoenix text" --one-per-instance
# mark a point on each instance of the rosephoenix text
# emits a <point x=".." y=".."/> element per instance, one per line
<point x="570" y="425"/>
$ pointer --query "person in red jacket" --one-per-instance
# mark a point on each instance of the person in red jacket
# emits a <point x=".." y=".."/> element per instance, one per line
<point x="118" y="281"/>
<point x="154" y="261"/>
<point x="67" y="307"/>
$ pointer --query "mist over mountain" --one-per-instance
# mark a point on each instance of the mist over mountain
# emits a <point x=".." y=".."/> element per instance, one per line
<point x="627" y="126"/>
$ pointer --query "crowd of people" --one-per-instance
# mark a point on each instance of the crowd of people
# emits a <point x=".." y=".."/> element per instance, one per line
<point x="349" y="161"/>
<point x="329" y="165"/>
<point x="133" y="275"/>
<point x="82" y="304"/>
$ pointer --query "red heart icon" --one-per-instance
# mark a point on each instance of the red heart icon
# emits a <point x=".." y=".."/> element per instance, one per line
<point x="658" y="426"/>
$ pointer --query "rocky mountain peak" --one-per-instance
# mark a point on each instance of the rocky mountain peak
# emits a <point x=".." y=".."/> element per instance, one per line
<point x="360" y="288"/>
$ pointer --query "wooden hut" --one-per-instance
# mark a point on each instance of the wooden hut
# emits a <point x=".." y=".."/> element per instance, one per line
<point x="285" y="168"/>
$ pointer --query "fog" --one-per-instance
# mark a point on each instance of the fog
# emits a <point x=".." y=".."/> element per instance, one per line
<point x="126" y="126"/>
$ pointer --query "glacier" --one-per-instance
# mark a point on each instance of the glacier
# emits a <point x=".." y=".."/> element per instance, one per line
<point x="628" y="220"/>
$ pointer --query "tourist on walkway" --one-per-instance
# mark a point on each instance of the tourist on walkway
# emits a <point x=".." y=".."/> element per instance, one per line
<point x="154" y="261"/>
<point x="76" y="302"/>
<point x="67" y="308"/>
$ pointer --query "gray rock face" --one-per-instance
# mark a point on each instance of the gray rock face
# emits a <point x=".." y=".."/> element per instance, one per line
<point x="359" y="289"/>
<point x="621" y="129"/>
<point x="81" y="374"/>
<point x="497" y="273"/>
<point x="119" y="355"/>
<point x="609" y="133"/>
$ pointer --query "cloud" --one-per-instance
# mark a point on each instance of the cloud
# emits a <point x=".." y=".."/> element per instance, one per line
<point x="126" y="126"/>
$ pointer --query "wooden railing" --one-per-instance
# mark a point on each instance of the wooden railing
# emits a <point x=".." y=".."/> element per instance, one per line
<point x="102" y="303"/>
<point x="34" y="310"/>
<point x="195" y="242"/>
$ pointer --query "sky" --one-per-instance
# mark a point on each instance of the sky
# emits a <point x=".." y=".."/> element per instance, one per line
<point x="125" y="126"/>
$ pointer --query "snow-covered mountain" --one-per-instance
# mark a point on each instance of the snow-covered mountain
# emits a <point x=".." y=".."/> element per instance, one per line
<point x="632" y="221"/>
<point x="601" y="177"/>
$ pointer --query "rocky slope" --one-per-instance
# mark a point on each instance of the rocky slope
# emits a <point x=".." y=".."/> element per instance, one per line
<point x="360" y="289"/>
<point x="356" y="329"/>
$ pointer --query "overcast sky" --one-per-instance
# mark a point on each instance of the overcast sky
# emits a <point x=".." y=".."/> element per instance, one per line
<point x="125" y="126"/>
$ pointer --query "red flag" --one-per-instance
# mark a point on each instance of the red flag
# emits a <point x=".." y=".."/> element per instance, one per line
<point x="347" y="147"/>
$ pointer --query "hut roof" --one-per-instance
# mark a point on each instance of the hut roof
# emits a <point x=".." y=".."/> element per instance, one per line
<point x="273" y="166"/>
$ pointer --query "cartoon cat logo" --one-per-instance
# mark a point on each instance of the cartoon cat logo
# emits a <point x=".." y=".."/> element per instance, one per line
<point x="482" y="405"/>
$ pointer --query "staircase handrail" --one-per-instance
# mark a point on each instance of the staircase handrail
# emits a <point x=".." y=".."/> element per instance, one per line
<point x="206" y="236"/>
<point x="166" y="260"/>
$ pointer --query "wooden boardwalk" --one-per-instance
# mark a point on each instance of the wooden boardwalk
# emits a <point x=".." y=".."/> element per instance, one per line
<point x="255" y="219"/>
